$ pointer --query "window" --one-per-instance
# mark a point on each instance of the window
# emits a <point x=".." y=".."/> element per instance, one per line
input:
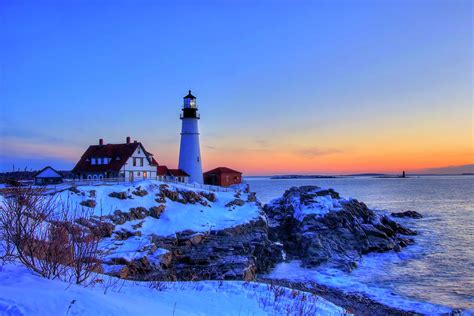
<point x="138" y="173"/>
<point x="89" y="177"/>
<point x="198" y="158"/>
<point x="141" y="162"/>
<point x="93" y="162"/>
<point x="99" y="161"/>
<point x="138" y="149"/>
<point x="134" y="162"/>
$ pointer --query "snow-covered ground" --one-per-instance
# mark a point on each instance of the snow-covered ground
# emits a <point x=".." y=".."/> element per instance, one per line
<point x="177" y="216"/>
<point x="22" y="293"/>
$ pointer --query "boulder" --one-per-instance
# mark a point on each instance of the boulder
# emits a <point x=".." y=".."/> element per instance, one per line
<point x="410" y="214"/>
<point x="210" y="196"/>
<point x="140" y="192"/>
<point x="156" y="211"/>
<point x="236" y="202"/>
<point x="124" y="234"/>
<point x="88" y="203"/>
<point x="138" y="213"/>
<point x="119" y="195"/>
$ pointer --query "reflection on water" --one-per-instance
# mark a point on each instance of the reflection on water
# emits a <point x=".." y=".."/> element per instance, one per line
<point x="439" y="268"/>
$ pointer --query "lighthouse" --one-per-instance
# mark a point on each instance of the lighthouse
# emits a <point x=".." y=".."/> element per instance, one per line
<point x="189" y="151"/>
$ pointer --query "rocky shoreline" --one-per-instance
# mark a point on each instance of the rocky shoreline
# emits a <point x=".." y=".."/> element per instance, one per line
<point x="354" y="303"/>
<point x="318" y="227"/>
<point x="307" y="223"/>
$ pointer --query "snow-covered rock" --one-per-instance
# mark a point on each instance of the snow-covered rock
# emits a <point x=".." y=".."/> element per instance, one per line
<point x="318" y="226"/>
<point x="174" y="232"/>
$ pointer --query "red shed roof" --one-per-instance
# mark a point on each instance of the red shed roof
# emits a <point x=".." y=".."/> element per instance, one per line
<point x="162" y="170"/>
<point x="178" y="173"/>
<point x="220" y="170"/>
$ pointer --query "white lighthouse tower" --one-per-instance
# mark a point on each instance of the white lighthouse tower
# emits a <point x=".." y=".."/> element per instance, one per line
<point x="189" y="151"/>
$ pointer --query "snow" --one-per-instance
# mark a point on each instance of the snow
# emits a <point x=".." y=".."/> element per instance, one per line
<point x="319" y="206"/>
<point x="177" y="217"/>
<point x="338" y="279"/>
<point x="133" y="248"/>
<point x="22" y="293"/>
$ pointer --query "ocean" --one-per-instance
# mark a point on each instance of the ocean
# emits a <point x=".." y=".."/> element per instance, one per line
<point x="431" y="276"/>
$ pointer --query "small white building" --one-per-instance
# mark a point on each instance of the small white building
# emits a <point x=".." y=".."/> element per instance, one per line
<point x="128" y="161"/>
<point x="48" y="175"/>
<point x="175" y="175"/>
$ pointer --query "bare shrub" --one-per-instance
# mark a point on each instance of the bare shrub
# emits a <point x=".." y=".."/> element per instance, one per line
<point x="44" y="236"/>
<point x="26" y="235"/>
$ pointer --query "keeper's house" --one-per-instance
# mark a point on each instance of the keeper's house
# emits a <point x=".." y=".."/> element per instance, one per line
<point x="129" y="161"/>
<point x="223" y="177"/>
<point x="48" y="176"/>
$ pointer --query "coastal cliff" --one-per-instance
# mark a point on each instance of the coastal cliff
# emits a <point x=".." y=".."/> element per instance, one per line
<point x="159" y="231"/>
<point x="317" y="226"/>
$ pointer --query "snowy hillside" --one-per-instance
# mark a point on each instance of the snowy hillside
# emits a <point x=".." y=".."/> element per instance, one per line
<point x="22" y="293"/>
<point x="178" y="215"/>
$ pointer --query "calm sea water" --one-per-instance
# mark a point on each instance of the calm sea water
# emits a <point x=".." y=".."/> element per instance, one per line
<point x="439" y="269"/>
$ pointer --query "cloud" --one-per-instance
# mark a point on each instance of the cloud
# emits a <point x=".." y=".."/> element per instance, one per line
<point x="17" y="147"/>
<point x="469" y="168"/>
<point x="317" y="151"/>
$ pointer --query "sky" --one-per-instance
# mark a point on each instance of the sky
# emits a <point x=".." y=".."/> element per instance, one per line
<point x="310" y="87"/>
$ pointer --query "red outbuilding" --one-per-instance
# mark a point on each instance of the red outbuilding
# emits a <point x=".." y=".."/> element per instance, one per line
<point x="223" y="177"/>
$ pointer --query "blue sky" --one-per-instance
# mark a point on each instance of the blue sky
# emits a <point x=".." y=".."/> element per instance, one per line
<point x="316" y="84"/>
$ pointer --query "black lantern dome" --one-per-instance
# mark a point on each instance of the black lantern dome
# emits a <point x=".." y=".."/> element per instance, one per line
<point x="189" y="106"/>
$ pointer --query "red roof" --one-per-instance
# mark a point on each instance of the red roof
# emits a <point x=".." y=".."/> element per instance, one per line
<point x="220" y="170"/>
<point x="162" y="170"/>
<point x="118" y="153"/>
<point x="178" y="173"/>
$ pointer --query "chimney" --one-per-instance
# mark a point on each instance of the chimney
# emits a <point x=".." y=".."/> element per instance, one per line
<point x="135" y="141"/>
<point x="101" y="142"/>
<point x="128" y="139"/>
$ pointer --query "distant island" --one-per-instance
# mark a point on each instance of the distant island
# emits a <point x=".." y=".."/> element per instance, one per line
<point x="296" y="176"/>
<point x="366" y="175"/>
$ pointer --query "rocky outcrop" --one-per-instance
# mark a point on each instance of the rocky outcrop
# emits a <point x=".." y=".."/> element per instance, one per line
<point x="184" y="196"/>
<point x="317" y="226"/>
<point x="235" y="253"/>
<point x="410" y="214"/>
<point x="238" y="252"/>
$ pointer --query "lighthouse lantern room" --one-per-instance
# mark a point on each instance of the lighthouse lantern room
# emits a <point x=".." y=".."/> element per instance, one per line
<point x="189" y="151"/>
